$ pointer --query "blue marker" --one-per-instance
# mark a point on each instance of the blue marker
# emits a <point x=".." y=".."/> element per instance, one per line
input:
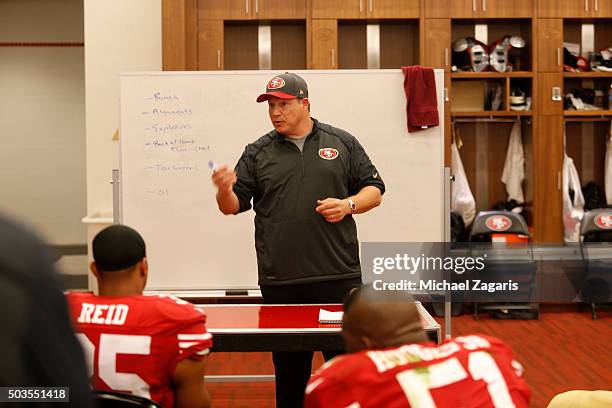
<point x="212" y="165"/>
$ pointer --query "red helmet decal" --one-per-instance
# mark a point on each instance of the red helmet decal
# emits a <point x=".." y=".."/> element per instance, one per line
<point x="498" y="223"/>
<point x="604" y="221"/>
<point x="328" y="153"/>
<point x="276" y="83"/>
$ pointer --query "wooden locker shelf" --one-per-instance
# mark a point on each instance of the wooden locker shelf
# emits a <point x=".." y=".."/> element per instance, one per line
<point x="491" y="114"/>
<point x="491" y="74"/>
<point x="591" y="74"/>
<point x="602" y="112"/>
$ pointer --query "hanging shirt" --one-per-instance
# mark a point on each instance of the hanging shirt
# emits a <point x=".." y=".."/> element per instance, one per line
<point x="608" y="168"/>
<point x="462" y="199"/>
<point x="514" y="166"/>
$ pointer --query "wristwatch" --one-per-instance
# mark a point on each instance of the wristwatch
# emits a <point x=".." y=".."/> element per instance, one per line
<point x="352" y="205"/>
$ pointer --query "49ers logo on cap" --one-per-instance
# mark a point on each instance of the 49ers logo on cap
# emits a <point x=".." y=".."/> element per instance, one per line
<point x="604" y="221"/>
<point x="328" y="153"/>
<point x="498" y="223"/>
<point x="276" y="83"/>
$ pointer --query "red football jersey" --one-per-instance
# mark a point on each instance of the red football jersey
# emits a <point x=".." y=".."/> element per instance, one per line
<point x="466" y="372"/>
<point x="134" y="343"/>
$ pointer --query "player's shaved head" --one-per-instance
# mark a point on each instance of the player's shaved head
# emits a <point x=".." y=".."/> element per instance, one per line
<point x="378" y="319"/>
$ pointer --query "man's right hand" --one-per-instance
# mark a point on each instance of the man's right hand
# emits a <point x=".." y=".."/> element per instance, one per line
<point x="224" y="179"/>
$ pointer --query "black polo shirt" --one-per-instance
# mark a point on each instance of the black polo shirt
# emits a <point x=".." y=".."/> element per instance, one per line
<point x="294" y="243"/>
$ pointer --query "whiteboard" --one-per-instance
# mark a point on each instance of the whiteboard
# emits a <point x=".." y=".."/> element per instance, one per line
<point x="173" y="123"/>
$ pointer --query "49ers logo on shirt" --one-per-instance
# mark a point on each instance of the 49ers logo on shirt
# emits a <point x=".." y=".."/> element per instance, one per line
<point x="276" y="83"/>
<point x="604" y="221"/>
<point x="328" y="153"/>
<point x="498" y="223"/>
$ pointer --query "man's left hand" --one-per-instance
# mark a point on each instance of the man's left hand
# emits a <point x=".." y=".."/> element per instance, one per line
<point x="333" y="209"/>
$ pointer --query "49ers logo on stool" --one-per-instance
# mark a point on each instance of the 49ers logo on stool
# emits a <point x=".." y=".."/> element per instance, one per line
<point x="604" y="221"/>
<point x="328" y="153"/>
<point x="498" y="223"/>
<point x="276" y="83"/>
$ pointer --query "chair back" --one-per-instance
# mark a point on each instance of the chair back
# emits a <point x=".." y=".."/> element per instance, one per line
<point x="487" y="223"/>
<point x="596" y="225"/>
<point x="111" y="399"/>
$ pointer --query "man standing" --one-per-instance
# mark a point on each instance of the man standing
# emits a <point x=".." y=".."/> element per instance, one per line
<point x="306" y="179"/>
<point x="391" y="355"/>
<point x="151" y="346"/>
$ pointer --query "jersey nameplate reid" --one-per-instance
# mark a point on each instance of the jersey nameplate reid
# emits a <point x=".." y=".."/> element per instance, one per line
<point x="103" y="314"/>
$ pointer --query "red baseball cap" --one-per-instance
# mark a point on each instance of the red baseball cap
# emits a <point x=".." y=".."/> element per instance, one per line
<point x="285" y="86"/>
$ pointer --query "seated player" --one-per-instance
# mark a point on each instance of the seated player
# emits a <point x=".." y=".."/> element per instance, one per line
<point x="392" y="364"/>
<point x="38" y="347"/>
<point x="151" y="346"/>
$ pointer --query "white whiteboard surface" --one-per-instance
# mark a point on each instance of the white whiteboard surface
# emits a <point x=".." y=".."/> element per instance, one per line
<point x="173" y="123"/>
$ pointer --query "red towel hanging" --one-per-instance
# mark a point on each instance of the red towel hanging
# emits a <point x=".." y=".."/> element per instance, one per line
<point x="421" y="98"/>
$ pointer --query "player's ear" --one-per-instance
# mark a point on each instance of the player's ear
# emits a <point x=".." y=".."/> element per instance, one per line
<point x="367" y="342"/>
<point x="144" y="268"/>
<point x="94" y="269"/>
